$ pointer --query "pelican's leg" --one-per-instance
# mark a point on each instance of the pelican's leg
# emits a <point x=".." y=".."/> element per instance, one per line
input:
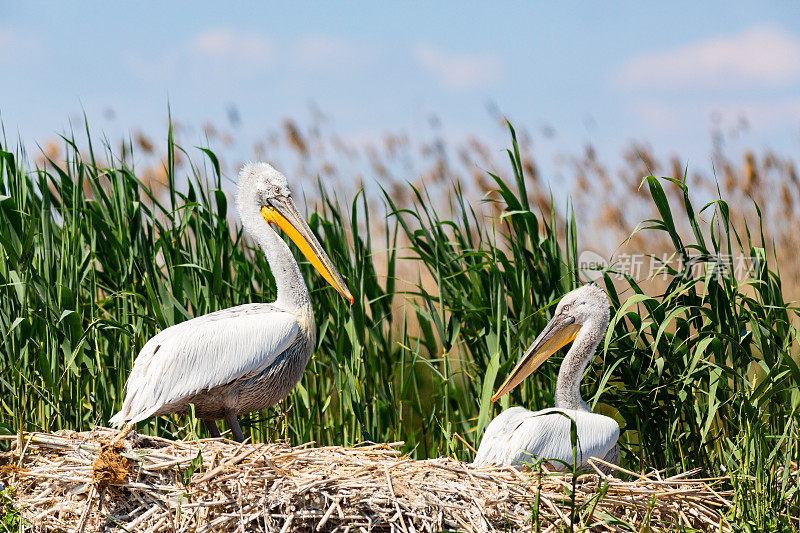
<point x="611" y="457"/>
<point x="233" y="424"/>
<point x="212" y="428"/>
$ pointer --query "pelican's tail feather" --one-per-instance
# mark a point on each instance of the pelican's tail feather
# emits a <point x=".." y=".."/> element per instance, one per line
<point x="117" y="420"/>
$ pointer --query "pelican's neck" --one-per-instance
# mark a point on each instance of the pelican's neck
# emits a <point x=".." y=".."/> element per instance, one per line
<point x="568" y="384"/>
<point x="292" y="291"/>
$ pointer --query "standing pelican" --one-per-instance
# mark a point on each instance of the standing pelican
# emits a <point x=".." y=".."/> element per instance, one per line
<point x="244" y="358"/>
<point x="518" y="436"/>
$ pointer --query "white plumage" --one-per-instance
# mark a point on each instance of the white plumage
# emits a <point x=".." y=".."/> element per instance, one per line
<point x="518" y="436"/>
<point x="244" y="358"/>
<point x="198" y="355"/>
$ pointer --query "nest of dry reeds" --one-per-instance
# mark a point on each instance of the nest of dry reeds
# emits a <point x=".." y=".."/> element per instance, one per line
<point x="106" y="481"/>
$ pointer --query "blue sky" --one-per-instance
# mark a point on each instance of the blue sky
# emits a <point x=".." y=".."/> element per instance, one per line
<point x="603" y="72"/>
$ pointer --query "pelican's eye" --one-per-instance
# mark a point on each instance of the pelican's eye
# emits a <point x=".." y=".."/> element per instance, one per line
<point x="565" y="308"/>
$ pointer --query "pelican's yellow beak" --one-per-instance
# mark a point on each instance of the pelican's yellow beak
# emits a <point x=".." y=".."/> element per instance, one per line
<point x="283" y="213"/>
<point x="558" y="333"/>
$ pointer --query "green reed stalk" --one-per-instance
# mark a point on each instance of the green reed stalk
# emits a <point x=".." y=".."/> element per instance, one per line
<point x="702" y="375"/>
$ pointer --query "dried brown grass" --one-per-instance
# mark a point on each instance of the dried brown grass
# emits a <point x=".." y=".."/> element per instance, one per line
<point x="62" y="482"/>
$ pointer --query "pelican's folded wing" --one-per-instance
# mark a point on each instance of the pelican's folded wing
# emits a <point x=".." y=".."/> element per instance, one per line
<point x="203" y="353"/>
<point x="495" y="447"/>
<point x="518" y="436"/>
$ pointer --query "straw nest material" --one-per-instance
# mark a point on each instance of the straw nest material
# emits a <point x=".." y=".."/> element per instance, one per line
<point x="106" y="481"/>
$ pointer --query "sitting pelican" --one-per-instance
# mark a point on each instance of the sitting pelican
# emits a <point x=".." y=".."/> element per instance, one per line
<point x="518" y="436"/>
<point x="244" y="358"/>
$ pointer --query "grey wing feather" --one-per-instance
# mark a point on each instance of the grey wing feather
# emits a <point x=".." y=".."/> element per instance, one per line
<point x="202" y="353"/>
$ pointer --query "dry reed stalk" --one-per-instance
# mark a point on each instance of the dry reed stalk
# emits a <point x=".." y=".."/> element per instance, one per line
<point x="243" y="487"/>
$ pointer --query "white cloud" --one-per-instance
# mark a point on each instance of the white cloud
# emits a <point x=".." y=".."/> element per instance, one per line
<point x="760" y="56"/>
<point x="221" y="53"/>
<point x="460" y="71"/>
<point x="322" y="52"/>
<point x="228" y="44"/>
<point x="16" y="46"/>
<point x="226" y="53"/>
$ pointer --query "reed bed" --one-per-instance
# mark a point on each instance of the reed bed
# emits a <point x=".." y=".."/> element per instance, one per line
<point x="699" y="364"/>
<point x="97" y="481"/>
